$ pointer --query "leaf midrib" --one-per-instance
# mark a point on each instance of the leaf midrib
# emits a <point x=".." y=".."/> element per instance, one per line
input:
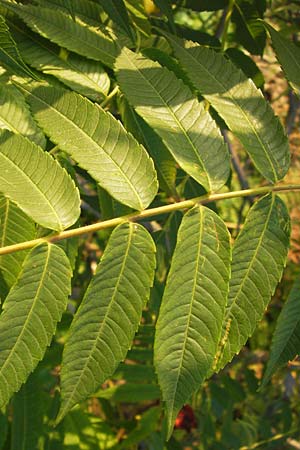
<point x="80" y="130"/>
<point x="35" y="186"/>
<point x="243" y="113"/>
<point x="199" y="246"/>
<point x="32" y="308"/>
<point x="52" y="52"/>
<point x="80" y="25"/>
<point x="177" y="121"/>
<point x="235" y="299"/>
<point x="87" y="360"/>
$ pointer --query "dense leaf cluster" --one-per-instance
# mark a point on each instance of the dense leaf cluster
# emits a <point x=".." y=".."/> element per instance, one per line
<point x="115" y="107"/>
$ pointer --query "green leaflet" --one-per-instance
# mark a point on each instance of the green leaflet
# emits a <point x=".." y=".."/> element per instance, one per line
<point x="249" y="31"/>
<point x="192" y="310"/>
<point x="86" y="10"/>
<point x="97" y="142"/>
<point x="75" y="35"/>
<point x="85" y="76"/>
<point x="241" y="105"/>
<point x="108" y="317"/>
<point x="258" y="259"/>
<point x="15" y="227"/>
<point x="116" y="11"/>
<point x="165" y="165"/>
<point x="138" y="16"/>
<point x="175" y="114"/>
<point x="286" y="338"/>
<point x="288" y="55"/>
<point x="37" y="183"/>
<point x="30" y="313"/>
<point x="9" y="53"/>
<point x="15" y="115"/>
<point x="27" y="420"/>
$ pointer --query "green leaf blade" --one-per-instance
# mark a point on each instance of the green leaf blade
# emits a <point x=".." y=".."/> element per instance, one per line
<point x="15" y="227"/>
<point x="97" y="142"/>
<point x="193" y="306"/>
<point x="102" y="331"/>
<point x="74" y="35"/>
<point x="170" y="108"/>
<point x="259" y="256"/>
<point x="288" y="55"/>
<point x="241" y="105"/>
<point x="31" y="311"/>
<point x="117" y="12"/>
<point x="27" y="422"/>
<point x="85" y="76"/>
<point x="37" y="183"/>
<point x="15" y="115"/>
<point x="286" y="338"/>
<point x="9" y="52"/>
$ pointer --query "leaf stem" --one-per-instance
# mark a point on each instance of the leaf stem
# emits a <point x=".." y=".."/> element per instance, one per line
<point x="226" y="23"/>
<point x="135" y="216"/>
<point x="110" y="96"/>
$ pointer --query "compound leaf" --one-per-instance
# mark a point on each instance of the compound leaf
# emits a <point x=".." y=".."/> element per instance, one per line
<point x="36" y="182"/>
<point x="241" y="105"/>
<point x="97" y="142"/>
<point x="104" y="326"/>
<point x="258" y="259"/>
<point x="170" y="108"/>
<point x="31" y="311"/>
<point x="192" y="310"/>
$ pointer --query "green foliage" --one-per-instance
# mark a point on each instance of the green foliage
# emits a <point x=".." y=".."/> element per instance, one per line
<point x="124" y="277"/>
<point x="258" y="259"/>
<point x="286" y="338"/>
<point x="168" y="105"/>
<point x="51" y="198"/>
<point x="31" y="311"/>
<point x="120" y="290"/>
<point x="112" y="159"/>
<point x="288" y="55"/>
<point x="240" y="104"/>
<point x="192" y="309"/>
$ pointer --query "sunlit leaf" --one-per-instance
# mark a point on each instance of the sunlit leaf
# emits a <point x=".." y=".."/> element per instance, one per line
<point x="242" y="106"/>
<point x="175" y="114"/>
<point x="97" y="142"/>
<point x="36" y="182"/>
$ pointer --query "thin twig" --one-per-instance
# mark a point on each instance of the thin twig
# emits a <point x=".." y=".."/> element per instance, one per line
<point x="135" y="216"/>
